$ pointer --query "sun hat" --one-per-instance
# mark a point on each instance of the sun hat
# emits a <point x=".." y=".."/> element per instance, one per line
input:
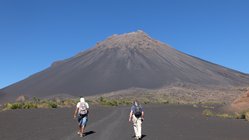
<point x="82" y="100"/>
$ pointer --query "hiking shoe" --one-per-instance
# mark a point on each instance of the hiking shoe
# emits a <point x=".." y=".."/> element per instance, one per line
<point x="138" y="138"/>
<point x="82" y="135"/>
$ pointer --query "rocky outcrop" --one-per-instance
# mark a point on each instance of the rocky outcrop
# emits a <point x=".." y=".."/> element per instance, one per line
<point x="241" y="103"/>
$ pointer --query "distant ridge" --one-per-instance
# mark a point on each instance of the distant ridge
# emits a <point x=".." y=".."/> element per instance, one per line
<point x="131" y="60"/>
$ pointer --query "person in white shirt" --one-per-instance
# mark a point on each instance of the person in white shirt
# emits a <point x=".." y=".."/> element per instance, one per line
<point x="81" y="112"/>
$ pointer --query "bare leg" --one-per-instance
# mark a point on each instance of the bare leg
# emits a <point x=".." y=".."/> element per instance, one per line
<point x="82" y="129"/>
<point x="83" y="125"/>
<point x="79" y="129"/>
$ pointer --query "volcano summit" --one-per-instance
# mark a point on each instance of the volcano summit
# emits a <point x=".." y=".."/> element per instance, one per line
<point x="121" y="62"/>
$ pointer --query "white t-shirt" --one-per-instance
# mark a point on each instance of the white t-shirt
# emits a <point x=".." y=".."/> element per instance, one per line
<point x="78" y="105"/>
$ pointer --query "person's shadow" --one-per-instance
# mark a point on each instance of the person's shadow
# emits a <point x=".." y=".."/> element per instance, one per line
<point x="141" y="137"/>
<point x="89" y="133"/>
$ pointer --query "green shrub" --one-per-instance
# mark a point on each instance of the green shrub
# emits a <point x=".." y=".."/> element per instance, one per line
<point x="208" y="113"/>
<point x="28" y="105"/>
<point x="7" y="106"/>
<point x="239" y="116"/>
<point x="226" y="116"/>
<point x="146" y="102"/>
<point x="166" y="102"/>
<point x="42" y="105"/>
<point x="68" y="102"/>
<point x="101" y="99"/>
<point x="246" y="114"/>
<point x="108" y="102"/>
<point x="124" y="102"/>
<point x="35" y="99"/>
<point x="16" y="106"/>
<point x="52" y="105"/>
<point x="112" y="103"/>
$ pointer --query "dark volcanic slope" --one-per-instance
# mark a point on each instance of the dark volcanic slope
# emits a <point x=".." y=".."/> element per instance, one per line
<point x="122" y="62"/>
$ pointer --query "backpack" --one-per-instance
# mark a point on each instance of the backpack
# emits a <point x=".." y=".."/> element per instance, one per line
<point x="138" y="111"/>
<point x="82" y="109"/>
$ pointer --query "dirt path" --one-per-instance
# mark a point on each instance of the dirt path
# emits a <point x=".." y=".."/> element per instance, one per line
<point x="110" y="127"/>
<point x="162" y="122"/>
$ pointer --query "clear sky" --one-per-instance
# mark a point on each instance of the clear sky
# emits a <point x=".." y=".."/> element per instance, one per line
<point x="33" y="33"/>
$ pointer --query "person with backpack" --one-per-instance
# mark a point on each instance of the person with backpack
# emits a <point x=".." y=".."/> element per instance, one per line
<point x="137" y="117"/>
<point x="81" y="111"/>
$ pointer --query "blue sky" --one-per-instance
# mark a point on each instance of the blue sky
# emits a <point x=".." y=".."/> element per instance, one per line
<point x="33" y="34"/>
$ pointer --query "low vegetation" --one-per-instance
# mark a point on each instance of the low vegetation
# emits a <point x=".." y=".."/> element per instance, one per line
<point x="40" y="103"/>
<point x="113" y="102"/>
<point x="59" y="103"/>
<point x="26" y="103"/>
<point x="210" y="113"/>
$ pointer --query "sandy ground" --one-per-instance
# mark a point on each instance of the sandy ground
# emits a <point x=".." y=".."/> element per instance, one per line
<point x="162" y="122"/>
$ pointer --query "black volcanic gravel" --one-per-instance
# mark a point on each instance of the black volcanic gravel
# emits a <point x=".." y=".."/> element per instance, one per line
<point x="162" y="122"/>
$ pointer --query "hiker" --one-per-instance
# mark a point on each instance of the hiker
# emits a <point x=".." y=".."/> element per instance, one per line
<point x="81" y="111"/>
<point x="137" y="117"/>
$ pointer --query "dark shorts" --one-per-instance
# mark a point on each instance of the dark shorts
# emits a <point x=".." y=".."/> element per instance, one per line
<point x="82" y="120"/>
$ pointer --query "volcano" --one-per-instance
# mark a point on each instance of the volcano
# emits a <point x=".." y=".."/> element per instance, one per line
<point x="131" y="60"/>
